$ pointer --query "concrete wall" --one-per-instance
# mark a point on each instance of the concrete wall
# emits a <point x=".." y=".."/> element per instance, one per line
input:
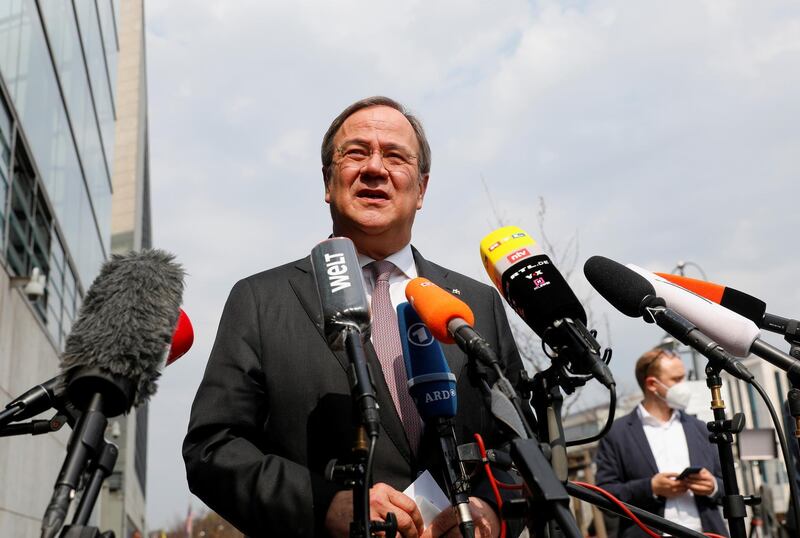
<point x="28" y="465"/>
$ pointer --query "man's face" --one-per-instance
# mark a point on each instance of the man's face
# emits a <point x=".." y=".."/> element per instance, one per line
<point x="374" y="186"/>
<point x="671" y="372"/>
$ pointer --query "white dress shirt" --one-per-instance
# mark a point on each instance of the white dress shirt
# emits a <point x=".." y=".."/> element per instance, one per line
<point x="668" y="443"/>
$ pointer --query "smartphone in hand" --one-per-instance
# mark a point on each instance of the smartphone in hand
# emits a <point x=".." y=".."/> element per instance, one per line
<point x="688" y="471"/>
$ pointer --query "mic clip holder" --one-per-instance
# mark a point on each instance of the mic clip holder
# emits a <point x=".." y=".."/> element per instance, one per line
<point x="351" y="476"/>
<point x="570" y="344"/>
<point x="35" y="427"/>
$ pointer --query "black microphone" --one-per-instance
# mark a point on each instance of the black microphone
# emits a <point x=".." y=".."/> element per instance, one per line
<point x="346" y="317"/>
<point x="113" y="356"/>
<point x="342" y="294"/>
<point x="635" y="296"/>
<point x="433" y="387"/>
<point x="537" y="291"/>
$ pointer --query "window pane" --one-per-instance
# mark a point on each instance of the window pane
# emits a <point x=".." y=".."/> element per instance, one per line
<point x="89" y="26"/>
<point x="109" y="30"/>
<point x="27" y="69"/>
<point x="59" y="19"/>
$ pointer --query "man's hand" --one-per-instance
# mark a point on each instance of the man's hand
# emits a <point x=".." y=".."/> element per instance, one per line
<point x="702" y="483"/>
<point x="382" y="500"/>
<point x="445" y="525"/>
<point x="665" y="485"/>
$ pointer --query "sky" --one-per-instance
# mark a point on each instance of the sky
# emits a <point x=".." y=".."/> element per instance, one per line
<point x="653" y="132"/>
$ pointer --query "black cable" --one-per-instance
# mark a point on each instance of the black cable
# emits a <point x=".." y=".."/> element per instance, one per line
<point x="367" y="481"/>
<point x="784" y="450"/>
<point x="612" y="409"/>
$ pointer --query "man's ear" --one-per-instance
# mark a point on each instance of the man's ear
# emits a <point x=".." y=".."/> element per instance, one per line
<point x="650" y="384"/>
<point x="423" y="187"/>
<point x="326" y="183"/>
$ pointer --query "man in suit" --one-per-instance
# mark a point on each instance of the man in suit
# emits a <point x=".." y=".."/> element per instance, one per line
<point x="644" y="452"/>
<point x="274" y="406"/>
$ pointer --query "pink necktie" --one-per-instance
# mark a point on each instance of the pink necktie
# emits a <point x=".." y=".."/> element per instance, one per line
<point x="386" y="339"/>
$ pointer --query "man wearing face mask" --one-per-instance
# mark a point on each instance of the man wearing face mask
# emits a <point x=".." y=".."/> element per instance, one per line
<point x="642" y="456"/>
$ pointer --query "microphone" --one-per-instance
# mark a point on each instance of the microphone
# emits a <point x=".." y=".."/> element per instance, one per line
<point x="731" y="330"/>
<point x="51" y="393"/>
<point x="540" y="295"/>
<point x="742" y="303"/>
<point x="123" y="333"/>
<point x="342" y="294"/>
<point x="346" y="318"/>
<point x="737" y="334"/>
<point x="182" y="338"/>
<point x="634" y="295"/>
<point x="433" y="388"/>
<point x="113" y="356"/>
<point x="450" y="320"/>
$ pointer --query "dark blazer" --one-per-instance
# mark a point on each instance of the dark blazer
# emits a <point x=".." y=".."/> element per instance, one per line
<point x="274" y="405"/>
<point x="625" y="466"/>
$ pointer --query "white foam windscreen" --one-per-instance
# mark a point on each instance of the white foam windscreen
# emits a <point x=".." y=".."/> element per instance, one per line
<point x="733" y="332"/>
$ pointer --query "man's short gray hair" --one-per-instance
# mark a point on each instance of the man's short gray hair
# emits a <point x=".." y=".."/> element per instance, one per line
<point x="424" y="157"/>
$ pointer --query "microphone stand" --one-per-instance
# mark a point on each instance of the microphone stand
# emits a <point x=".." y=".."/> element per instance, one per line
<point x="545" y="388"/>
<point x="357" y="475"/>
<point x="721" y="430"/>
<point x="545" y="492"/>
<point x="721" y="433"/>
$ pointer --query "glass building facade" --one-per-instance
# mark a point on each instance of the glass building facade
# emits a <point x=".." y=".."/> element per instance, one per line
<point x="73" y="129"/>
<point x="58" y="64"/>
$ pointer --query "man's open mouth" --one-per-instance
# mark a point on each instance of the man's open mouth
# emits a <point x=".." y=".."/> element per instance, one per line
<point x="373" y="194"/>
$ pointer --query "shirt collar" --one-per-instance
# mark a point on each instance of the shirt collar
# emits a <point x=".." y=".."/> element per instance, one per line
<point x="403" y="259"/>
<point x="650" y="420"/>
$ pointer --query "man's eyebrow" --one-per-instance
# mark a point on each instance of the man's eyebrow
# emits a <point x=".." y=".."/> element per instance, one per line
<point x="368" y="143"/>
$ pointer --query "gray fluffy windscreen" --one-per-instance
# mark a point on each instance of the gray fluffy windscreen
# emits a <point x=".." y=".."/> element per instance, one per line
<point x="127" y="319"/>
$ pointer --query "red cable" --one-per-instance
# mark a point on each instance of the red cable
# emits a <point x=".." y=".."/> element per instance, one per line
<point x="493" y="482"/>
<point x="624" y="508"/>
<point x="630" y="514"/>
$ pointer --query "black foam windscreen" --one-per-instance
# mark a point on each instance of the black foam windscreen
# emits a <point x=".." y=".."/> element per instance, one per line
<point x="124" y="328"/>
<point x="618" y="285"/>
<point x="745" y="305"/>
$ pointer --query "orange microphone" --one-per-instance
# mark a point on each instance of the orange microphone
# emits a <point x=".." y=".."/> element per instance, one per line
<point x="743" y="304"/>
<point x="449" y="319"/>
<point x="740" y="302"/>
<point x="437" y="308"/>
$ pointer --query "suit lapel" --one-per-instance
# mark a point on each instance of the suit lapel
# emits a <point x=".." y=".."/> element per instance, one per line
<point x="305" y="288"/>
<point x="637" y="432"/>
<point x="456" y="359"/>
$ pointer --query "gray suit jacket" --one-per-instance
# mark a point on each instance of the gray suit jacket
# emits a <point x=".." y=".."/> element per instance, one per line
<point x="274" y="405"/>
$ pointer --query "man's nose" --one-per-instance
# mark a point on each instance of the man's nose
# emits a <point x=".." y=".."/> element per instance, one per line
<point x="374" y="164"/>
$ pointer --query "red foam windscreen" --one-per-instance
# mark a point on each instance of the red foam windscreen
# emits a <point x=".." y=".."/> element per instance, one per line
<point x="182" y="338"/>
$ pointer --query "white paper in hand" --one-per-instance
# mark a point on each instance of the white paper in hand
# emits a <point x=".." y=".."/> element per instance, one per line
<point x="429" y="497"/>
